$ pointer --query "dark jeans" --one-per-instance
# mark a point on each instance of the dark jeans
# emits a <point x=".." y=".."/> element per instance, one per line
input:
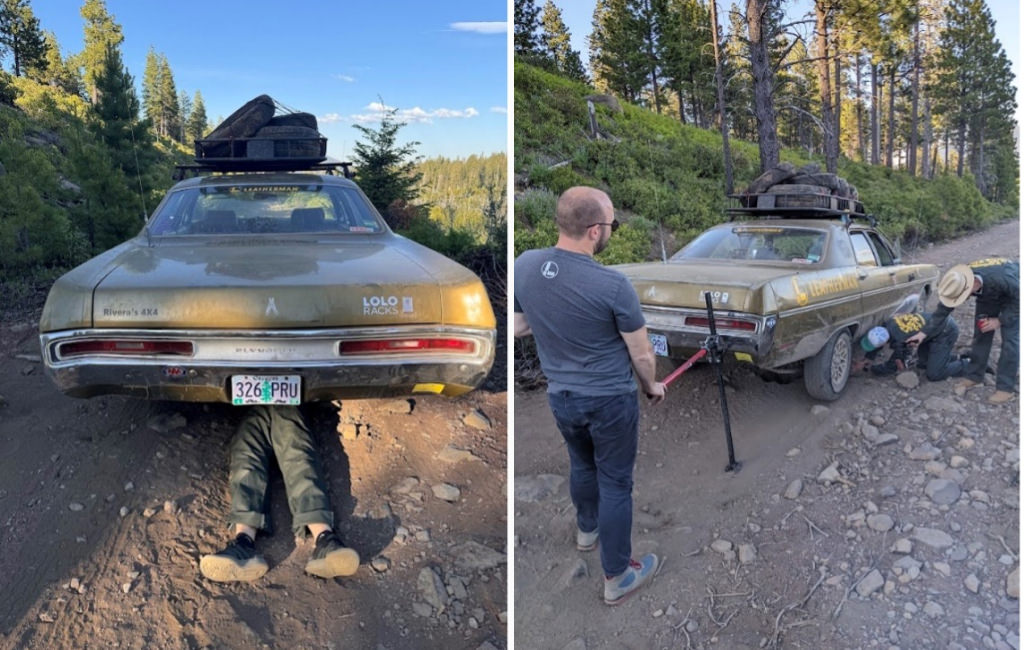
<point x="601" y="436"/>
<point x="281" y="432"/>
<point x="1006" y="370"/>
<point x="935" y="355"/>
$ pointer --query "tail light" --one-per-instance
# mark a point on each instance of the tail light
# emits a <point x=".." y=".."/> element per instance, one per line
<point x="721" y="323"/>
<point x="386" y="346"/>
<point x="127" y="347"/>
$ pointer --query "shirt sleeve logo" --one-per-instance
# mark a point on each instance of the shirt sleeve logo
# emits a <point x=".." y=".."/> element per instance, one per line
<point x="549" y="269"/>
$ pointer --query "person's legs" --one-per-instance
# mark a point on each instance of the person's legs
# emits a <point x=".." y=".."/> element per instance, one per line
<point x="582" y="470"/>
<point x="940" y="362"/>
<point x="981" y="346"/>
<point x="1006" y="369"/>
<point x="304" y="482"/>
<point x="613" y="428"/>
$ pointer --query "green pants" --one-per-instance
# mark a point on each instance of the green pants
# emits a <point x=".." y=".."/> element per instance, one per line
<point x="281" y="432"/>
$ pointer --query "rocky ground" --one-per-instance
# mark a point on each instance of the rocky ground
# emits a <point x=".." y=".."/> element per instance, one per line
<point x="107" y="504"/>
<point x="888" y="519"/>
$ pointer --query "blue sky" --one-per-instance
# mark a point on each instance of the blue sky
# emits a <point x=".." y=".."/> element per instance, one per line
<point x="578" y="14"/>
<point x="442" y="64"/>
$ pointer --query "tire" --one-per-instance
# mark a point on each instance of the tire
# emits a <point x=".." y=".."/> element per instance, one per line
<point x="307" y="120"/>
<point x="776" y="174"/>
<point x="245" y="121"/>
<point x="826" y="373"/>
<point x="292" y="141"/>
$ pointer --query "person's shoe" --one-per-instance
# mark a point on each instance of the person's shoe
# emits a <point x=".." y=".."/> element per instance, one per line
<point x="238" y="562"/>
<point x="1000" y="397"/>
<point x="586" y="541"/>
<point x="331" y="558"/>
<point x="637" y="574"/>
<point x="966" y="384"/>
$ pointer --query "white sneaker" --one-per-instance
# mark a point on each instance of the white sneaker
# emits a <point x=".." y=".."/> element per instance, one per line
<point x="636" y="575"/>
<point x="586" y="541"/>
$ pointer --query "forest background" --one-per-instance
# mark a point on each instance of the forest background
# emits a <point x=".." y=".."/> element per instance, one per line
<point x="86" y="154"/>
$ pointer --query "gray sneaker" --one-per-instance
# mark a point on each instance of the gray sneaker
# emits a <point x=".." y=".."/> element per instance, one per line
<point x="620" y="587"/>
<point x="238" y="562"/>
<point x="586" y="541"/>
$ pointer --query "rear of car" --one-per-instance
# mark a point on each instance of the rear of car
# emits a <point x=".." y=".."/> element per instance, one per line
<point x="275" y="288"/>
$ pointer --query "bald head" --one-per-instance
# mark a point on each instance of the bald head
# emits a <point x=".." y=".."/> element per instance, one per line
<point x="579" y="207"/>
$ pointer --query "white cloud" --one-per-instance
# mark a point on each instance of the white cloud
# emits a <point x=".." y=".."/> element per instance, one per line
<point x="344" y="77"/>
<point x="499" y="109"/>
<point x="331" y="118"/>
<point x="416" y="114"/>
<point x="481" y="27"/>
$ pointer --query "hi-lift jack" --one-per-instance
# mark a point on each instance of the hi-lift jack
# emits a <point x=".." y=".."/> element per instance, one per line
<point x="712" y="348"/>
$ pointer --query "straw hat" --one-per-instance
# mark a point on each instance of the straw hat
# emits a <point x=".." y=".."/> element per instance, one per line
<point x="874" y="339"/>
<point x="956" y="285"/>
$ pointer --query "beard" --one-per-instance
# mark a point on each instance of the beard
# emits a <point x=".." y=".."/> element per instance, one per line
<point x="601" y="244"/>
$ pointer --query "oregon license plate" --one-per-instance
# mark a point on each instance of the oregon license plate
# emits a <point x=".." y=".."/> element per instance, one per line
<point x="265" y="389"/>
<point x="659" y="343"/>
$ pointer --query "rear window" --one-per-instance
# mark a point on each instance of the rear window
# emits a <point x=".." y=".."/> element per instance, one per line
<point x="265" y="209"/>
<point x="799" y="245"/>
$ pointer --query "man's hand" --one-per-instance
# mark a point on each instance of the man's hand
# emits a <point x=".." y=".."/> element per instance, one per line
<point x="988" y="324"/>
<point x="656" y="393"/>
<point x="900" y="366"/>
<point x="916" y="339"/>
<point x="860" y="365"/>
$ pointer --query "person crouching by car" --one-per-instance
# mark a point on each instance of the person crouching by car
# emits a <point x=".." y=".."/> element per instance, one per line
<point x="905" y="332"/>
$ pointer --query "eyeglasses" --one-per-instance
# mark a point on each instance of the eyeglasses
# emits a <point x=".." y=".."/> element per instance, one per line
<point x="614" y="225"/>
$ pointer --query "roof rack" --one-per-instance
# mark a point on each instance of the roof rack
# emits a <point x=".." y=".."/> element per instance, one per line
<point x="245" y="165"/>
<point x="802" y="205"/>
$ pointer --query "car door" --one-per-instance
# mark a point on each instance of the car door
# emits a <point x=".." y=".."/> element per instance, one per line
<point x="876" y="279"/>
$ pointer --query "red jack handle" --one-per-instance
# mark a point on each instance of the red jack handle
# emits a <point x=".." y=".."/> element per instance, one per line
<point x="683" y="368"/>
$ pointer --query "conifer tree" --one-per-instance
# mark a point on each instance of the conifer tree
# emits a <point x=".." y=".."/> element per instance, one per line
<point x="101" y="33"/>
<point x="151" y="87"/>
<point x="618" y="59"/>
<point x="170" y="117"/>
<point x="21" y="36"/>
<point x="55" y="70"/>
<point x="385" y="170"/>
<point x="196" y="127"/>
<point x="555" y="39"/>
<point x="526" y="24"/>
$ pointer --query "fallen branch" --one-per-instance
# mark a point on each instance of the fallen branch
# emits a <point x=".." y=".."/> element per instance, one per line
<point x="811" y="527"/>
<point x="1003" y="542"/>
<point x="776" y="635"/>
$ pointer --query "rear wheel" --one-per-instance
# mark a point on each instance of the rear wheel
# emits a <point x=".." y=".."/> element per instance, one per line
<point x="826" y="373"/>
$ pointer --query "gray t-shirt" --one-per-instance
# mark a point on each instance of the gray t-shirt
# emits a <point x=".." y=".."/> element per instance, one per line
<point x="576" y="309"/>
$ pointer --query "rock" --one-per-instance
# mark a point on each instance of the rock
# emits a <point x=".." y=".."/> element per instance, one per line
<point x="747" y="553"/>
<point x="1013" y="584"/>
<point x="933" y="609"/>
<point x="943" y="405"/>
<point x="908" y="380"/>
<point x="972" y="583"/>
<point x="126" y="587"/>
<point x="74" y="506"/>
<point x="129" y="486"/>
<point x="432" y="588"/>
<point x="473" y="556"/>
<point x="75" y="584"/>
<point x="576" y="644"/>
<point x="446" y="492"/>
<point x="871" y="583"/>
<point x="902" y="545"/>
<point x="348" y="430"/>
<point x="869" y="431"/>
<point x="830" y="474"/>
<point x="46" y="617"/>
<point x="819" y="409"/>
<point x="957" y="462"/>
<point x="477" y="419"/>
<point x="658" y="613"/>
<point x="932" y="537"/>
<point x="880" y="522"/>
<point x="721" y="545"/>
<point x="149" y="512"/>
<point x="397" y="406"/>
<point x="123" y="511"/>
<point x="943" y="568"/>
<point x="795" y="451"/>
<point x="606" y="100"/>
<point x="942" y="491"/>
<point x="907" y="568"/>
<point x="927" y="451"/>
<point x="794" y="489"/>
<point x="422" y="609"/>
<point x="166" y="422"/>
<point x="170" y="507"/>
<point x="452" y="454"/>
<point x="380" y="564"/>
<point x="406" y="485"/>
<point x="885" y="439"/>
<point x="575" y="572"/>
<point x="533" y="489"/>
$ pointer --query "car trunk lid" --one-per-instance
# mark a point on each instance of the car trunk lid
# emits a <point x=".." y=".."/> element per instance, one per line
<point x="683" y="284"/>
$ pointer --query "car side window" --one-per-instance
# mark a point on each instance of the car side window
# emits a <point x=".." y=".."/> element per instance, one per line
<point x="885" y="255"/>
<point x="862" y="250"/>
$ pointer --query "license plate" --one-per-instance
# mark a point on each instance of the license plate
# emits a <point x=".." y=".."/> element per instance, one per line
<point x="659" y="343"/>
<point x="265" y="389"/>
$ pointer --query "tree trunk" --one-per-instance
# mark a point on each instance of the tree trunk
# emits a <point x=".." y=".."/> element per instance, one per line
<point x="926" y="146"/>
<point x="892" y="117"/>
<point x="914" y="89"/>
<point x="961" y="146"/>
<point x="829" y="135"/>
<point x="761" y="69"/>
<point x="839" y="95"/>
<point x="720" y="86"/>
<point x="862" y="143"/>
<point x="682" y="107"/>
<point x="649" y="19"/>
<point x="876" y="130"/>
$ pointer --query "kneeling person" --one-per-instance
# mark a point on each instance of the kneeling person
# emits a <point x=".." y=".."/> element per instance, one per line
<point x="904" y="332"/>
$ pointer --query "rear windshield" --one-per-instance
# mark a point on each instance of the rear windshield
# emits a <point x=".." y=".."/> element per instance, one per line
<point x="259" y="209"/>
<point x="799" y="245"/>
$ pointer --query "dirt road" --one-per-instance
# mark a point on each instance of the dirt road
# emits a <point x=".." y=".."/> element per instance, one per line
<point x="907" y="540"/>
<point x="107" y="504"/>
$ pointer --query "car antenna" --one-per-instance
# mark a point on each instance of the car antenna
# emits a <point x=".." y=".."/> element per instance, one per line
<point x="657" y="206"/>
<point x="138" y="173"/>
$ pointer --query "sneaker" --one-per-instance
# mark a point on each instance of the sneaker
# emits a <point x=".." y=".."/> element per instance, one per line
<point x="967" y="384"/>
<point x="586" y="541"/>
<point x="238" y="562"/>
<point x="1000" y="397"/>
<point x="620" y="587"/>
<point x="331" y="558"/>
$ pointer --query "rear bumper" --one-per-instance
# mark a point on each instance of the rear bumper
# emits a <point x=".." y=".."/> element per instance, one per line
<point x="684" y="340"/>
<point x="314" y="355"/>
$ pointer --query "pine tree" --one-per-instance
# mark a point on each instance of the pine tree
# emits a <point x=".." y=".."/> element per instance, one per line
<point x="526" y="24"/>
<point x="55" y="71"/>
<point x="618" y="56"/>
<point x="686" y="57"/>
<point x="196" y="127"/>
<point x="555" y="39"/>
<point x="21" y="36"/>
<point x="151" y="88"/>
<point x="170" y="116"/>
<point x="184" y="113"/>
<point x="385" y="170"/>
<point x="101" y="33"/>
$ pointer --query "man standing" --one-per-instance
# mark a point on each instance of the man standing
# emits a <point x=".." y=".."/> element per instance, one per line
<point x="904" y="332"/>
<point x="590" y="336"/>
<point x="995" y="283"/>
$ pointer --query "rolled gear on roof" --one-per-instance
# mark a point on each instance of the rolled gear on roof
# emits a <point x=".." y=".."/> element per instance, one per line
<point x="255" y="136"/>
